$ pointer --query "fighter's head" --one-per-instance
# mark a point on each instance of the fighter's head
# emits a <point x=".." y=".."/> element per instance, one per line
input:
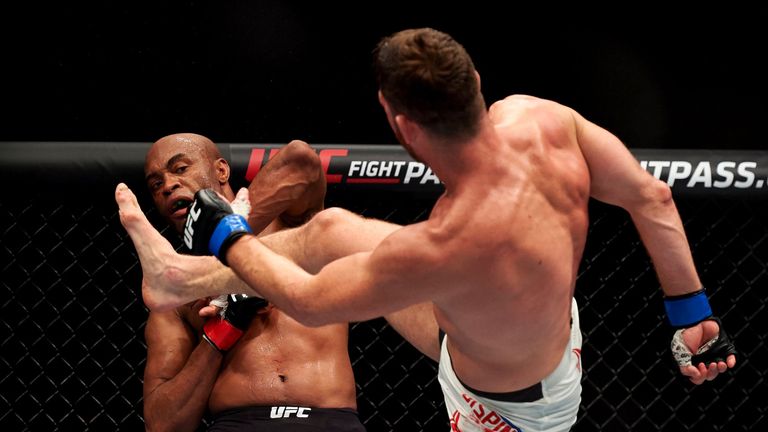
<point x="428" y="77"/>
<point x="179" y="165"/>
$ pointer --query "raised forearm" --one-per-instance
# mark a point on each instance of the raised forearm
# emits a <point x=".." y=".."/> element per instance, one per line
<point x="291" y="185"/>
<point x="179" y="403"/>
<point x="663" y="235"/>
<point x="268" y="274"/>
<point x="352" y="288"/>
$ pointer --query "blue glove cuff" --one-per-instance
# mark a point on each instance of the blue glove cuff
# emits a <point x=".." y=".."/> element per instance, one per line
<point x="233" y="223"/>
<point x="688" y="309"/>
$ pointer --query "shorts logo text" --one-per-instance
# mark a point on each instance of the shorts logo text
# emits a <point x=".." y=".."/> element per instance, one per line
<point x="488" y="419"/>
<point x="286" y="411"/>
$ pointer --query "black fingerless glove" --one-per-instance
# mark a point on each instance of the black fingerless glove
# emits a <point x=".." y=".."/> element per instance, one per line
<point x="211" y="226"/>
<point x="224" y="332"/>
<point x="686" y="311"/>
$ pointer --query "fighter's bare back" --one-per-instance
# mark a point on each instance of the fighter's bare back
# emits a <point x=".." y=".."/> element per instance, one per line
<point x="511" y="236"/>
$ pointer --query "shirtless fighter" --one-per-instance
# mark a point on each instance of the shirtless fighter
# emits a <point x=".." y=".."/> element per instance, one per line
<point x="497" y="259"/>
<point x="254" y="368"/>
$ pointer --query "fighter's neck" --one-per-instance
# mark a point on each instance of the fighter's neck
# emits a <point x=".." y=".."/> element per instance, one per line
<point x="226" y="190"/>
<point x="460" y="161"/>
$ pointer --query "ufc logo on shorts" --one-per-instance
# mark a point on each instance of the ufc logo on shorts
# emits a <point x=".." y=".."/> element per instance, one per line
<point x="194" y="213"/>
<point x="286" y="411"/>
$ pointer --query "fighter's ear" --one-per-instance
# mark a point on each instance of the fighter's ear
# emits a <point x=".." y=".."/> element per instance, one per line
<point x="409" y="130"/>
<point x="222" y="170"/>
<point x="382" y="100"/>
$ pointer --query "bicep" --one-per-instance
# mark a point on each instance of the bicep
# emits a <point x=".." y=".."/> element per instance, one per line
<point x="169" y="344"/>
<point x="616" y="177"/>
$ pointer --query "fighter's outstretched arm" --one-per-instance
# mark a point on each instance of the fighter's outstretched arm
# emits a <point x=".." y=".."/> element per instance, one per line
<point x="617" y="178"/>
<point x="361" y="286"/>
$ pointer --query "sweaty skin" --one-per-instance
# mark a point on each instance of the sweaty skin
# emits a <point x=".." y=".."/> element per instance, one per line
<point x="277" y="361"/>
<point x="499" y="254"/>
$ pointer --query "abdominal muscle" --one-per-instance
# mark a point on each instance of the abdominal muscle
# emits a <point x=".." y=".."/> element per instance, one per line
<point x="280" y="362"/>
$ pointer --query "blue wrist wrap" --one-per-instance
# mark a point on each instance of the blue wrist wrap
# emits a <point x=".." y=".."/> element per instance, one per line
<point x="688" y="309"/>
<point x="229" y="224"/>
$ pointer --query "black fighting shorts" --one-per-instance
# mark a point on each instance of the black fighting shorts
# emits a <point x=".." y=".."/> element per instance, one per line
<point x="287" y="419"/>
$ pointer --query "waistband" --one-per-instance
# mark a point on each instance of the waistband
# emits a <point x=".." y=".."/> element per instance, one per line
<point x="283" y="412"/>
<point x="528" y="394"/>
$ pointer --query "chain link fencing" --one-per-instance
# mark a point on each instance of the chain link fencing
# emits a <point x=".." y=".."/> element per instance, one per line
<point x="73" y="353"/>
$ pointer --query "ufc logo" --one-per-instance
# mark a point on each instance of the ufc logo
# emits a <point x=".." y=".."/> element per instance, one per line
<point x="285" y="412"/>
<point x="194" y="213"/>
<point x="257" y="160"/>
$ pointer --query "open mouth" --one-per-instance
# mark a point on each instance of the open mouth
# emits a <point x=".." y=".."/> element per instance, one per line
<point x="179" y="207"/>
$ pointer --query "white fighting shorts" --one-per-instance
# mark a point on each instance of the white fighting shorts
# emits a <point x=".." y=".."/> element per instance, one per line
<point x="549" y="406"/>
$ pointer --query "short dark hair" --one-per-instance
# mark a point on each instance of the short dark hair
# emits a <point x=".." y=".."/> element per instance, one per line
<point x="428" y="76"/>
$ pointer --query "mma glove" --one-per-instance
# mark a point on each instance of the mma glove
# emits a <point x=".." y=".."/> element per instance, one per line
<point x="223" y="331"/>
<point x="211" y="226"/>
<point x="687" y="310"/>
